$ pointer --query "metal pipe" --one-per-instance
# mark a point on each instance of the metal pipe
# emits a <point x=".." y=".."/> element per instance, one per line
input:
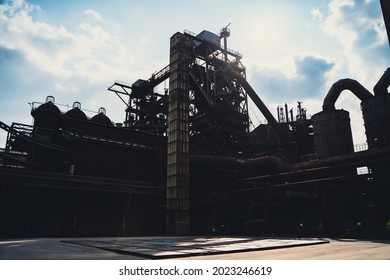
<point x="286" y="109"/>
<point x="225" y="47"/>
<point x="259" y="165"/>
<point x="383" y="83"/>
<point x="354" y="86"/>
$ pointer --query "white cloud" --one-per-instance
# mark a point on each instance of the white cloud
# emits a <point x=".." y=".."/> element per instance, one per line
<point x="316" y="14"/>
<point x="93" y="14"/>
<point x="358" y="26"/>
<point x="310" y="79"/>
<point x="287" y="56"/>
<point x="51" y="59"/>
<point x="13" y="7"/>
<point x="91" y="52"/>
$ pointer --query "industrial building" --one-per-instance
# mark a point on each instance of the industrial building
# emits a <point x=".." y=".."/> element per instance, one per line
<point x="186" y="161"/>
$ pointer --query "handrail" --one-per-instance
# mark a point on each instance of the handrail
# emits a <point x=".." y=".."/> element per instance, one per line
<point x="32" y="140"/>
<point x="230" y="51"/>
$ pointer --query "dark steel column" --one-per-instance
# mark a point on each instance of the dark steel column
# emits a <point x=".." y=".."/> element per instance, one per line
<point x="178" y="138"/>
<point x="385" y="5"/>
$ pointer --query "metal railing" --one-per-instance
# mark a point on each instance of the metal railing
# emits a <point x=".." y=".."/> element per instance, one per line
<point x="230" y="51"/>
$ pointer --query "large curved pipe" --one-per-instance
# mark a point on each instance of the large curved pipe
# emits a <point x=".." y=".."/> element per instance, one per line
<point x="361" y="92"/>
<point x="259" y="165"/>
<point x="383" y="83"/>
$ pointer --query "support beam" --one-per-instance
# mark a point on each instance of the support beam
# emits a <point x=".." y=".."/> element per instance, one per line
<point x="259" y="103"/>
<point x="385" y="5"/>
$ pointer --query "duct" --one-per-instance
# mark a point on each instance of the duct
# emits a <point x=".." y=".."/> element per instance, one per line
<point x="260" y="165"/>
<point x="383" y="83"/>
<point x="361" y="92"/>
<point x="268" y="164"/>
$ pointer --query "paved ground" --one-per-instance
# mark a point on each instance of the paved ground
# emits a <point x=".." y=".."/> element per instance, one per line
<point x="221" y="248"/>
<point x="178" y="247"/>
<point x="340" y="249"/>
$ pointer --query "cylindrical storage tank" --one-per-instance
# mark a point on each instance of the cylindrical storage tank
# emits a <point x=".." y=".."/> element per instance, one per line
<point x="75" y="112"/>
<point x="101" y="117"/>
<point x="47" y="121"/>
<point x="376" y="115"/>
<point x="47" y="116"/>
<point x="332" y="133"/>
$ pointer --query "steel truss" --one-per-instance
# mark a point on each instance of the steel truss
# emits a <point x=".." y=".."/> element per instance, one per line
<point x="218" y="116"/>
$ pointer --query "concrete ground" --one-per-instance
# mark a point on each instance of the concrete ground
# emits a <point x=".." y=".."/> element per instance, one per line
<point x="55" y="248"/>
<point x="336" y="249"/>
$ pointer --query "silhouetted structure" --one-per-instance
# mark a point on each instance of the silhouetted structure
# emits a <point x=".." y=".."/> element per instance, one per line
<point x="187" y="162"/>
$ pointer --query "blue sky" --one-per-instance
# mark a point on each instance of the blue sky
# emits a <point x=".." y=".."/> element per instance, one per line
<point x="293" y="50"/>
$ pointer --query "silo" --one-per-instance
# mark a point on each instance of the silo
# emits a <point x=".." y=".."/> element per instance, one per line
<point x="47" y="124"/>
<point x="332" y="133"/>
<point x="75" y="112"/>
<point x="47" y="116"/>
<point x="101" y="117"/>
<point x="376" y="115"/>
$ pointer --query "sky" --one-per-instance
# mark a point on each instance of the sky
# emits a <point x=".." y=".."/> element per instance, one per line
<point x="292" y="50"/>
